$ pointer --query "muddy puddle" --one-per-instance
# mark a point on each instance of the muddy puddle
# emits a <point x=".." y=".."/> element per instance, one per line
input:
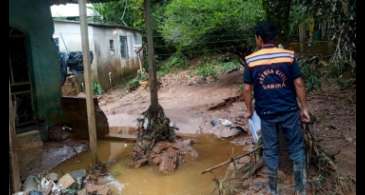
<point x="148" y="181"/>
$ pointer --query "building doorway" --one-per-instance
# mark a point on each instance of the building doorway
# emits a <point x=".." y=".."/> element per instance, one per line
<point x="20" y="81"/>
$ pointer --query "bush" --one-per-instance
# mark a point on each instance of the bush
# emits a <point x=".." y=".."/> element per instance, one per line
<point x="134" y="83"/>
<point x="193" y="25"/>
<point x="206" y="70"/>
<point x="215" y="66"/>
<point x="97" y="89"/>
<point x="175" y="62"/>
<point x="311" y="73"/>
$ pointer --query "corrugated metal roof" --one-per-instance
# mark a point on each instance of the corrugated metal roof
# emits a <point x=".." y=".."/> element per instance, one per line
<point x="100" y="25"/>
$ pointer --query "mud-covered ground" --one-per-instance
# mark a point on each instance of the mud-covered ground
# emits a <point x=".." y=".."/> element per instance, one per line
<point x="186" y="100"/>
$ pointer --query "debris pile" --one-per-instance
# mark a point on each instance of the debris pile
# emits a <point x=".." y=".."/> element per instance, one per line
<point x="71" y="87"/>
<point x="166" y="155"/>
<point x="223" y="128"/>
<point x="97" y="181"/>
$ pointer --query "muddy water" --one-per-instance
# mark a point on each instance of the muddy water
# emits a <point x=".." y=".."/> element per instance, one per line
<point x="148" y="181"/>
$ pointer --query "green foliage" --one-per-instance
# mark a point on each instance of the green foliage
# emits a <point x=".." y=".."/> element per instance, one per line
<point x="175" y="62"/>
<point x="125" y="12"/>
<point x="207" y="69"/>
<point x="311" y="74"/>
<point x="134" y="83"/>
<point x="189" y="24"/>
<point x="97" y="89"/>
<point x="213" y="67"/>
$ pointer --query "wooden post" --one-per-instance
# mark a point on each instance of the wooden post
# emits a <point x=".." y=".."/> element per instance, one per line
<point x="15" y="175"/>
<point x="150" y="53"/>
<point x="87" y="77"/>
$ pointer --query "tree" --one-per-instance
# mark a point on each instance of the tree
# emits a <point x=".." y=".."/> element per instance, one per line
<point x="154" y="126"/>
<point x="125" y="12"/>
<point x="192" y="25"/>
<point x="278" y="12"/>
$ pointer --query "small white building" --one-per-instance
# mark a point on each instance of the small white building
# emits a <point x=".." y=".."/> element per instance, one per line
<point x="114" y="48"/>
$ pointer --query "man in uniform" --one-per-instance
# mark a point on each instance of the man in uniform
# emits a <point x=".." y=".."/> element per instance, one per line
<point x="276" y="80"/>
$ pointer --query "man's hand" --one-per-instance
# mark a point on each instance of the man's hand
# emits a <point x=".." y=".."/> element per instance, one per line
<point x="304" y="115"/>
<point x="247" y="114"/>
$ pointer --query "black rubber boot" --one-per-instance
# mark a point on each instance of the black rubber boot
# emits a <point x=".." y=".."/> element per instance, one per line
<point x="299" y="177"/>
<point x="273" y="183"/>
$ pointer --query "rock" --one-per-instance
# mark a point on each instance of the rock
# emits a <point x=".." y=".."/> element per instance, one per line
<point x="82" y="192"/>
<point x="35" y="193"/>
<point x="32" y="183"/>
<point x="52" y="177"/>
<point x="185" y="146"/>
<point x="104" y="180"/>
<point x="224" y="128"/>
<point x="57" y="133"/>
<point x="140" y="162"/>
<point x="66" y="181"/>
<point x="71" y="87"/>
<point x="225" y="132"/>
<point x="160" y="146"/>
<point x="156" y="160"/>
<point x="169" y="161"/>
<point x="81" y="173"/>
<point x="98" y="189"/>
<point x="46" y="186"/>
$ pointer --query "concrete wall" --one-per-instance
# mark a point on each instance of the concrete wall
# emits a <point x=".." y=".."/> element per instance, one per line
<point x="34" y="19"/>
<point x="105" y="60"/>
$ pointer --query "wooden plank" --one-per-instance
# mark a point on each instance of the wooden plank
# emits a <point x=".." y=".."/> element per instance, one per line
<point x="16" y="184"/>
<point x="87" y="77"/>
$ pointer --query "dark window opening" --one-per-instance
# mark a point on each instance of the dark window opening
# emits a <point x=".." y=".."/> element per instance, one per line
<point x="111" y="45"/>
<point x="123" y="47"/>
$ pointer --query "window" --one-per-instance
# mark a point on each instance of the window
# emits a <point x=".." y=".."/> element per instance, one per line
<point x="111" y="45"/>
<point x="123" y="47"/>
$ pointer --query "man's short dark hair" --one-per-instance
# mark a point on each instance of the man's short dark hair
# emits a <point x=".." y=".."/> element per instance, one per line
<point x="267" y="31"/>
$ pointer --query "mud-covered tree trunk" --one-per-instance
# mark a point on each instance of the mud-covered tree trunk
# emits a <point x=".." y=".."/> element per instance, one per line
<point x="154" y="126"/>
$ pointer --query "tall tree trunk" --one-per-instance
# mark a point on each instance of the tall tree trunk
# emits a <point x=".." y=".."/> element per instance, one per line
<point x="154" y="126"/>
<point x="150" y="55"/>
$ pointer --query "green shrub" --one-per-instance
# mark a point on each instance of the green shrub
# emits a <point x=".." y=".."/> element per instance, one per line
<point x="215" y="66"/>
<point x="133" y="84"/>
<point x="207" y="70"/>
<point x="311" y="73"/>
<point x="97" y="89"/>
<point x="175" y="62"/>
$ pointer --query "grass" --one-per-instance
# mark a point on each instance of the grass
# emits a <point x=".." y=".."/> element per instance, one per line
<point x="174" y="63"/>
<point x="214" y="66"/>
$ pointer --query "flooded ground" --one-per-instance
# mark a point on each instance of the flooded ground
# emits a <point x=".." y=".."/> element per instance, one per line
<point x="148" y="181"/>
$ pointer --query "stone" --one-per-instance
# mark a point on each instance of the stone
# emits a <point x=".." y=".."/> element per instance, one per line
<point x="46" y="186"/>
<point x="98" y="189"/>
<point x="169" y="161"/>
<point x="66" y="181"/>
<point x="81" y="173"/>
<point x="82" y="192"/>
<point x="71" y="86"/>
<point x="35" y="193"/>
<point x="160" y="146"/>
<point x="57" y="133"/>
<point x="52" y="177"/>
<point x="32" y="183"/>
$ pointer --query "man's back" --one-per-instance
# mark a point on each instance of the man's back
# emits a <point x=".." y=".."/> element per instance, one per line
<point x="272" y="71"/>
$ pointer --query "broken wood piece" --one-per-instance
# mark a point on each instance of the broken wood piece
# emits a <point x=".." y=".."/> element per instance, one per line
<point x="230" y="160"/>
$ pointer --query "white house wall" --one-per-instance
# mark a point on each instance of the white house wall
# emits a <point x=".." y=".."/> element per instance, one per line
<point x="106" y="62"/>
<point x="69" y="40"/>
